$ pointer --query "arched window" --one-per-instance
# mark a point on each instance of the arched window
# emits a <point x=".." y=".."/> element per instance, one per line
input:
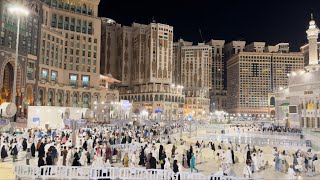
<point x="50" y="98"/>
<point x="96" y="98"/>
<point x="147" y="98"/>
<point x="54" y="3"/>
<point x="84" y="9"/>
<point x="156" y="98"/>
<point x="67" y="99"/>
<point x="78" y="9"/>
<point x="60" y="98"/>
<point x="143" y="98"/>
<point x="41" y="97"/>
<point x="60" y="4"/>
<point x="272" y="101"/>
<point x="151" y="98"/>
<point x="161" y="97"/>
<point x="85" y="101"/>
<point x="75" y="100"/>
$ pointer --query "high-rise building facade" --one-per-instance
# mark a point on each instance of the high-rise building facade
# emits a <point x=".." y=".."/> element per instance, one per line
<point x="69" y="57"/>
<point x="192" y="69"/>
<point x="143" y="64"/>
<point x="218" y="93"/>
<point x="254" y="72"/>
<point x="28" y="51"/>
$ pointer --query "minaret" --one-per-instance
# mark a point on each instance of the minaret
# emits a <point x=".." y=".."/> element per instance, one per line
<point x="312" y="33"/>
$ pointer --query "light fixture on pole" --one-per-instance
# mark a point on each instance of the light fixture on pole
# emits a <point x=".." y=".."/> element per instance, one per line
<point x="19" y="11"/>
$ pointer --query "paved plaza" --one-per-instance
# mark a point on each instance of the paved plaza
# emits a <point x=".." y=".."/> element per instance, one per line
<point x="207" y="162"/>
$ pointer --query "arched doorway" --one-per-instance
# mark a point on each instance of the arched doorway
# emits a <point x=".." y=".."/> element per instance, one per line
<point x="7" y="84"/>
<point x="29" y="95"/>
<point x="6" y="80"/>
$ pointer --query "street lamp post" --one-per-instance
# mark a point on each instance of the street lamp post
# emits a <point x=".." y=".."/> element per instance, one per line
<point x="19" y="11"/>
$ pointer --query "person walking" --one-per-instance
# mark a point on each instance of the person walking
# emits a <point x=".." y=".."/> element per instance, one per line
<point x="175" y="167"/>
<point x="4" y="152"/>
<point x="247" y="173"/>
<point x="14" y="152"/>
<point x="193" y="163"/>
<point x="126" y="160"/>
<point x="28" y="156"/>
<point x="153" y="162"/>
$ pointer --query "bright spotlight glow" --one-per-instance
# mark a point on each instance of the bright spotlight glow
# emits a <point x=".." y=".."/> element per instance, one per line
<point x="294" y="73"/>
<point x="19" y="10"/>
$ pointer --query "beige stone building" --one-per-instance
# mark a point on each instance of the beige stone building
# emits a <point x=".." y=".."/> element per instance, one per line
<point x="192" y="69"/>
<point x="28" y="51"/>
<point x="218" y="93"/>
<point x="69" y="57"/>
<point x="140" y="56"/>
<point x="255" y="71"/>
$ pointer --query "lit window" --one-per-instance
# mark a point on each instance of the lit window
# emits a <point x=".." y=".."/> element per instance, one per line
<point x="85" y="80"/>
<point x="73" y="79"/>
<point x="54" y="75"/>
<point x="44" y="74"/>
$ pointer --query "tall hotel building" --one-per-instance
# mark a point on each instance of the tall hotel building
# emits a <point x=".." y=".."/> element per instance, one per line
<point x="69" y="55"/>
<point x="140" y="56"/>
<point x="254" y="71"/>
<point x="218" y="93"/>
<point x="192" y="69"/>
<point x="28" y="51"/>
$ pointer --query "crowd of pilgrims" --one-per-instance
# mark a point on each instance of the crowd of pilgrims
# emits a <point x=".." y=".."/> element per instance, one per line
<point x="259" y="127"/>
<point x="94" y="148"/>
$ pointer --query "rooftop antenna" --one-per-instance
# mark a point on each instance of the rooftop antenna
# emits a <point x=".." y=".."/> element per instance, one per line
<point x="153" y="20"/>
<point x="311" y="16"/>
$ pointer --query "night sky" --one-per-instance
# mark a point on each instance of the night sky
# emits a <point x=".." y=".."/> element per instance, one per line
<point x="271" y="21"/>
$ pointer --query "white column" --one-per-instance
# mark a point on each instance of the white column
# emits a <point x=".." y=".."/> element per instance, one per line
<point x="312" y="33"/>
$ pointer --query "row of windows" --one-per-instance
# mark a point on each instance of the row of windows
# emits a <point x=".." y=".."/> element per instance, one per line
<point x="73" y="78"/>
<point x="156" y="97"/>
<point x="268" y="58"/>
<point x="64" y="99"/>
<point x="72" y="24"/>
<point x="28" y="33"/>
<point x="81" y="9"/>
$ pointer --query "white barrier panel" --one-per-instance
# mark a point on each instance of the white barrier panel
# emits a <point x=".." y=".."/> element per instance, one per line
<point x="103" y="173"/>
<point x="196" y="176"/>
<point x="74" y="172"/>
<point x="30" y="172"/>
<point x="48" y="172"/>
<point x="133" y="173"/>
<point x="159" y="174"/>
<point x="180" y="176"/>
